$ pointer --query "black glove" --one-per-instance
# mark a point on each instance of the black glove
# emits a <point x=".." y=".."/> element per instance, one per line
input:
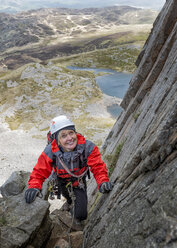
<point x="106" y="187"/>
<point x="30" y="195"/>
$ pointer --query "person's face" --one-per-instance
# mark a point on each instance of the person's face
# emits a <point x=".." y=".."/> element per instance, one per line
<point x="67" y="139"/>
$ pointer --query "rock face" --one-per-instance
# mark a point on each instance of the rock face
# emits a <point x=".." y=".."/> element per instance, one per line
<point x="141" y="151"/>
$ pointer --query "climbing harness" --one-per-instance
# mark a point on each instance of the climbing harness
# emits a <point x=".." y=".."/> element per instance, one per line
<point x="69" y="172"/>
<point x="55" y="183"/>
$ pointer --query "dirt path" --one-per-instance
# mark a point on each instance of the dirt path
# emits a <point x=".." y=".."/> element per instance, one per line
<point x="18" y="151"/>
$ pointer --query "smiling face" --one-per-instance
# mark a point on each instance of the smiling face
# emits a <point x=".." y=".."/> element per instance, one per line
<point x="67" y="139"/>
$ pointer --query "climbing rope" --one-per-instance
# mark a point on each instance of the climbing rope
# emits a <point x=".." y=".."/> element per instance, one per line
<point x="69" y="186"/>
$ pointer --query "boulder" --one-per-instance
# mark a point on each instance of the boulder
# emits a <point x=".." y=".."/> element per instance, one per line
<point x="15" y="184"/>
<point x="22" y="224"/>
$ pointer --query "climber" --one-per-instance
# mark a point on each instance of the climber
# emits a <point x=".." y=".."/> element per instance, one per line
<point x="69" y="156"/>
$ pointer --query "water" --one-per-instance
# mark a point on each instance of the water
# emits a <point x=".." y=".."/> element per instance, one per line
<point x="114" y="84"/>
<point x="114" y="110"/>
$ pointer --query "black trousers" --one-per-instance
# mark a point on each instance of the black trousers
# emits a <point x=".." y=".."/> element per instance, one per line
<point x="80" y="202"/>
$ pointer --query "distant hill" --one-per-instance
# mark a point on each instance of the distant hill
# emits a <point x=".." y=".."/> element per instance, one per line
<point x="13" y="6"/>
<point x="45" y="33"/>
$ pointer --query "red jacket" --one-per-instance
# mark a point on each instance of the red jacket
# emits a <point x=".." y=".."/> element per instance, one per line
<point x="43" y="168"/>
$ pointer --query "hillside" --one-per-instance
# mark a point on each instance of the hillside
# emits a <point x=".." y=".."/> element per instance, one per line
<point x="32" y="96"/>
<point x="38" y="35"/>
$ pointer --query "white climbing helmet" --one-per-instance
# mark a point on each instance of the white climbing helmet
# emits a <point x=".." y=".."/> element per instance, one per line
<point x="59" y="123"/>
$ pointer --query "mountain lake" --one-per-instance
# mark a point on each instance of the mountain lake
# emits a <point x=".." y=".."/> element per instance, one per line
<point x="113" y="83"/>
